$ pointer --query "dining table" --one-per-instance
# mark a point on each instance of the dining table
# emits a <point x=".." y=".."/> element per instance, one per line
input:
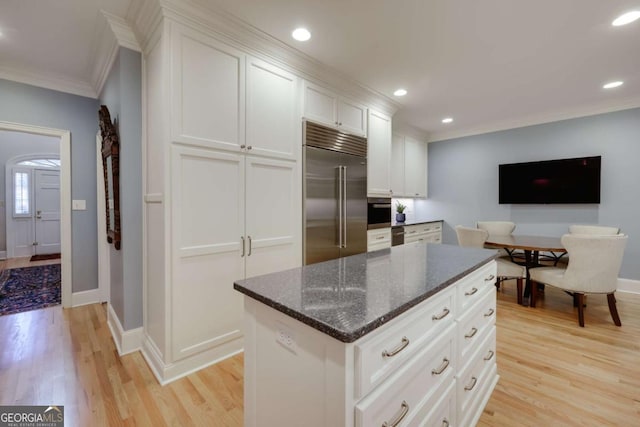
<point x="533" y="249"/>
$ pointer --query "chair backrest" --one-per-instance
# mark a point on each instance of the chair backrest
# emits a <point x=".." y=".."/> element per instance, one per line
<point x="599" y="230"/>
<point x="497" y="228"/>
<point x="594" y="262"/>
<point x="471" y="237"/>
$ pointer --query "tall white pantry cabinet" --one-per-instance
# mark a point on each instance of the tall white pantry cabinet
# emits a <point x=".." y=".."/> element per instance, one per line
<point x="223" y="191"/>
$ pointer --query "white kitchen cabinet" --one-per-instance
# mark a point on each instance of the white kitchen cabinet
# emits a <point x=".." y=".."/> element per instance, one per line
<point x="221" y="211"/>
<point x="245" y="223"/>
<point x="207" y="91"/>
<point x="415" y="168"/>
<point x="378" y="239"/>
<point x="325" y="107"/>
<point x="273" y="115"/>
<point x="378" y="155"/>
<point x="426" y="232"/>
<point x="408" y="167"/>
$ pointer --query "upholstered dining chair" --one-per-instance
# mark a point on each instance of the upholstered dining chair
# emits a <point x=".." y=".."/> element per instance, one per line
<point x="594" y="264"/>
<point x="475" y="238"/>
<point x="500" y="228"/>
<point x="599" y="230"/>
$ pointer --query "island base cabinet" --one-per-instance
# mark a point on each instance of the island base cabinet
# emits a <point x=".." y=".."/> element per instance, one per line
<point x="298" y="375"/>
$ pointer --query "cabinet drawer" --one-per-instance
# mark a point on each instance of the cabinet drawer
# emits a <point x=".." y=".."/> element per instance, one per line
<point x="440" y="409"/>
<point x="378" y="239"/>
<point x="379" y="356"/>
<point x="472" y="382"/>
<point x="429" y="227"/>
<point x="406" y="393"/>
<point x="473" y="325"/>
<point x="470" y="288"/>
<point x="435" y="237"/>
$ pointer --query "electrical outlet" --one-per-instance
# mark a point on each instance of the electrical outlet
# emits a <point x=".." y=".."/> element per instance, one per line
<point x="285" y="337"/>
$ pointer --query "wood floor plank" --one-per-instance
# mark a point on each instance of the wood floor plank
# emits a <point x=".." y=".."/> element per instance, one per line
<point x="552" y="372"/>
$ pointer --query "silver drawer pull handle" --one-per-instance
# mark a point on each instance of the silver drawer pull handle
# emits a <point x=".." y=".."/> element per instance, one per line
<point x="489" y="313"/>
<point x="380" y="238"/>
<point x="490" y="278"/>
<point x="442" y="315"/>
<point x="489" y="355"/>
<point x="404" y="410"/>
<point x="471" y="333"/>
<point x="474" y="380"/>
<point x="445" y="423"/>
<point x="398" y="349"/>
<point x="445" y="363"/>
<point x="471" y="292"/>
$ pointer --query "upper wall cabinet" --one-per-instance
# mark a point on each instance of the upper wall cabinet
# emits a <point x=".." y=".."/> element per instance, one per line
<point x="207" y="97"/>
<point x="378" y="155"/>
<point x="273" y="114"/>
<point x="323" y="106"/>
<point x="408" y="167"/>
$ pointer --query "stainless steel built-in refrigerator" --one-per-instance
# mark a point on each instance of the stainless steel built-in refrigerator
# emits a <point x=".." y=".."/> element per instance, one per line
<point x="335" y="194"/>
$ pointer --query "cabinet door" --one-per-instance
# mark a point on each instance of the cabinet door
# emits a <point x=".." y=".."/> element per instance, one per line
<point x="397" y="166"/>
<point x="273" y="215"/>
<point x="352" y="117"/>
<point x="415" y="166"/>
<point x="378" y="155"/>
<point x="320" y="105"/>
<point x="207" y="87"/>
<point x="207" y="225"/>
<point x="273" y="116"/>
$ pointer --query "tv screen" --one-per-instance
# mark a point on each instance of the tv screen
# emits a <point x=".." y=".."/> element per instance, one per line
<point x="551" y="181"/>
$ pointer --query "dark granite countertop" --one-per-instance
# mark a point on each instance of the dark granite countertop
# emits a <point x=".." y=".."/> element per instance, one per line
<point x="349" y="297"/>
<point x="413" y="222"/>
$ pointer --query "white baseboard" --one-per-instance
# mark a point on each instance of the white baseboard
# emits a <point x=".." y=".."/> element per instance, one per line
<point x="629" y="285"/>
<point x="126" y="341"/>
<point x="166" y="373"/>
<point x="92" y="296"/>
<point x="3" y="254"/>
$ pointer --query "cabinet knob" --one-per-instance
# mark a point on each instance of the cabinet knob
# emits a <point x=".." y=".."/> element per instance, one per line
<point x="336" y="123"/>
<point x="249" y="147"/>
<point x="242" y="146"/>
<point x="340" y="124"/>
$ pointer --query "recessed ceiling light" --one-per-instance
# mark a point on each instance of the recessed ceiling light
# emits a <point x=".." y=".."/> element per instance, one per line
<point x="301" y="34"/>
<point x="627" y="18"/>
<point x="611" y="85"/>
<point x="447" y="120"/>
<point x="400" y="92"/>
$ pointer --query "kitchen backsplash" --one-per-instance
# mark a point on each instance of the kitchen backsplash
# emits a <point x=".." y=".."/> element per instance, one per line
<point x="409" y="210"/>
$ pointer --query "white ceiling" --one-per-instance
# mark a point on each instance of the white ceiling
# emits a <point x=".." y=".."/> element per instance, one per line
<point x="489" y="64"/>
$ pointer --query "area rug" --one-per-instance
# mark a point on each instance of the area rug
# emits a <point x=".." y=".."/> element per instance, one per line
<point x="29" y="288"/>
<point x="44" y="257"/>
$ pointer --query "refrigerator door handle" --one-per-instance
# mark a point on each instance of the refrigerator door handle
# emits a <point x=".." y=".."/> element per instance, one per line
<point x="344" y="206"/>
<point x="340" y="206"/>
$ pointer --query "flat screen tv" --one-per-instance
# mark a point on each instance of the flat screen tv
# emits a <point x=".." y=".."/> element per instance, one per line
<point x="551" y="181"/>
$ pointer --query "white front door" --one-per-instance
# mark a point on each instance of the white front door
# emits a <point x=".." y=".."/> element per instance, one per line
<point x="47" y="211"/>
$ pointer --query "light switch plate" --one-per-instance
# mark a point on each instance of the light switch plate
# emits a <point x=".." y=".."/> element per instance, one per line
<point x="79" y="205"/>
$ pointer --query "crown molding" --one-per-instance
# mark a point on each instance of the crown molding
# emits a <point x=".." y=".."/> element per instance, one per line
<point x="122" y="31"/>
<point x="548" y="117"/>
<point x="144" y="16"/>
<point x="48" y="81"/>
<point x="211" y="20"/>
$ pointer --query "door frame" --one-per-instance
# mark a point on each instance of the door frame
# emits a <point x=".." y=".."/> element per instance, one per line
<point x="65" y="198"/>
<point x="10" y="169"/>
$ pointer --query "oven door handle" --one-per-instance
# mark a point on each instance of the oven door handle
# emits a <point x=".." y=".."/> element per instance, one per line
<point x="381" y="205"/>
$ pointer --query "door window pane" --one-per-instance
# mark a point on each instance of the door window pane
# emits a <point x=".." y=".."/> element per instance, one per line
<point x="21" y="194"/>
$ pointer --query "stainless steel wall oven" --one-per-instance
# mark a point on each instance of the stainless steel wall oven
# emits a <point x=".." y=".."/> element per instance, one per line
<point x="378" y="213"/>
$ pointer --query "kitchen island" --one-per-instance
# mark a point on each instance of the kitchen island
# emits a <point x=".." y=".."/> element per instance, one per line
<point x="404" y="336"/>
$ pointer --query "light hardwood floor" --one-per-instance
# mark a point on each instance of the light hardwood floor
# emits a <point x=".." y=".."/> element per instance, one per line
<point x="553" y="373"/>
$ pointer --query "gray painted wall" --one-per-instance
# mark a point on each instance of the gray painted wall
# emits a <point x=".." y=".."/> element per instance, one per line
<point x="463" y="178"/>
<point x="20" y="103"/>
<point x="13" y="144"/>
<point x="122" y="94"/>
